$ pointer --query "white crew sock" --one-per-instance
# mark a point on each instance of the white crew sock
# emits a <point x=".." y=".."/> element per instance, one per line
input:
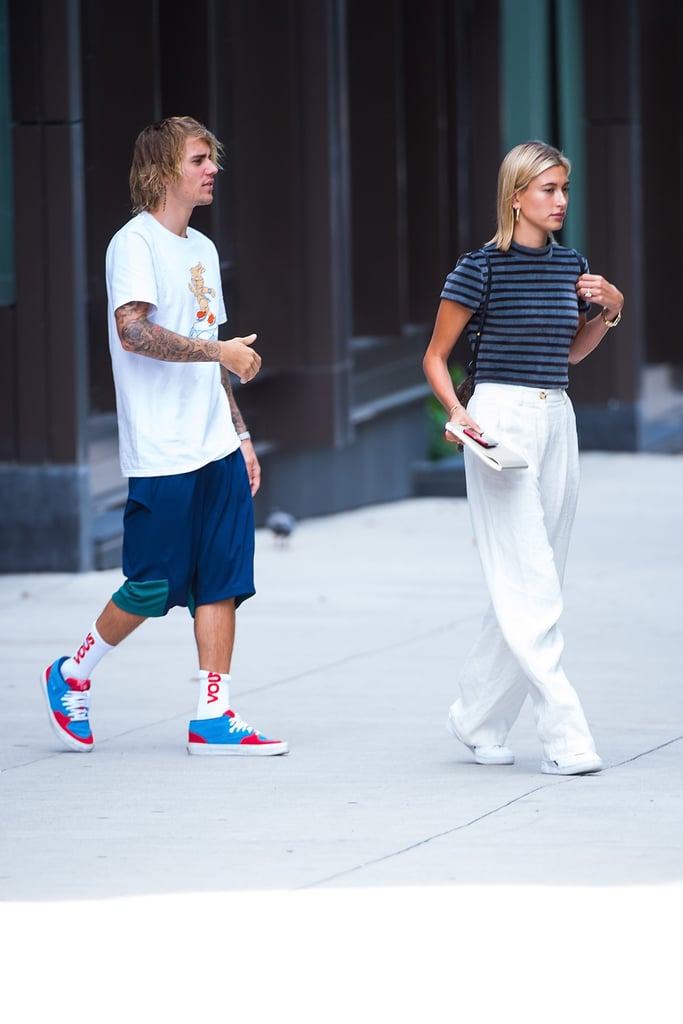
<point x="214" y="694"/>
<point x="91" y="651"/>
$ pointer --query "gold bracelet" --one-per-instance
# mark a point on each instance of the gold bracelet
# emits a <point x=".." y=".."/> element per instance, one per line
<point x="451" y="411"/>
<point x="609" y="323"/>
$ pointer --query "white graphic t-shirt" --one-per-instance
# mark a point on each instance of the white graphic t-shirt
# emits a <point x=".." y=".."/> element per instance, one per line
<point x="172" y="417"/>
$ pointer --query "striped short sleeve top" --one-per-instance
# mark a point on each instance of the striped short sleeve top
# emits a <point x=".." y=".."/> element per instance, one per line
<point x="532" y="314"/>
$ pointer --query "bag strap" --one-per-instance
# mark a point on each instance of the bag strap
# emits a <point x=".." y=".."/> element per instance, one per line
<point x="577" y="256"/>
<point x="472" y="365"/>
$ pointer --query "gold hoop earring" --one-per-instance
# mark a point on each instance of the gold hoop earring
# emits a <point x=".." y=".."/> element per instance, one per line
<point x="516" y="214"/>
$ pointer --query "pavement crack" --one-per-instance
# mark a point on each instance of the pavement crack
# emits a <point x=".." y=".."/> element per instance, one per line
<point x="427" y="839"/>
<point x="553" y="781"/>
<point x="644" y="753"/>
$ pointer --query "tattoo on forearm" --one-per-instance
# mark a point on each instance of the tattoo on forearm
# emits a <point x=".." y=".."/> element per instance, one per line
<point x="145" y="338"/>
<point x="237" y="419"/>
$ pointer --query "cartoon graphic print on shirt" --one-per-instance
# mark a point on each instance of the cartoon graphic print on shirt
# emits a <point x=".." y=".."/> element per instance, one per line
<point x="204" y="325"/>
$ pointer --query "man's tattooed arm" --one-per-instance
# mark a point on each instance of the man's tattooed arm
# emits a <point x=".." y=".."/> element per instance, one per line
<point x="236" y="415"/>
<point x="138" y="334"/>
<point x="250" y="458"/>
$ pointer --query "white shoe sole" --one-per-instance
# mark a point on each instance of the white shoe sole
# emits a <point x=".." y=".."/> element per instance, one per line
<point x="587" y="767"/>
<point x="238" y="750"/>
<point x="483" y="755"/>
<point x="68" y="741"/>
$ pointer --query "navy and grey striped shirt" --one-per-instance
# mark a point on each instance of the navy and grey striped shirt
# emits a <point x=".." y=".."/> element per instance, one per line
<point x="532" y="315"/>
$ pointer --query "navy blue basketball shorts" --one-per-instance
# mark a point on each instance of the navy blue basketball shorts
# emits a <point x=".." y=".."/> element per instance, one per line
<point x="188" y="539"/>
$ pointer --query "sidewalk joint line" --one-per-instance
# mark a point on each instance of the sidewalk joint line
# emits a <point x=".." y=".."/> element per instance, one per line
<point x="428" y="839"/>
<point x="475" y="821"/>
<point x="643" y="753"/>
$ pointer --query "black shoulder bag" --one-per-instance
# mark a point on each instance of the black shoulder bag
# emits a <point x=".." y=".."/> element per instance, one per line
<point x="464" y="391"/>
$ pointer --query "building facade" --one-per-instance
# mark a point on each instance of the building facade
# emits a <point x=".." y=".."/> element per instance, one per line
<point x="362" y="144"/>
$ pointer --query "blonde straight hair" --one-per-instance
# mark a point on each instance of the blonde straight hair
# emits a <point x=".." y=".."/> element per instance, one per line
<point x="519" y="167"/>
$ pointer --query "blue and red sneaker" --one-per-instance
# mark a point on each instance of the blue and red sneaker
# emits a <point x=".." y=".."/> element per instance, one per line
<point x="68" y="701"/>
<point x="230" y="735"/>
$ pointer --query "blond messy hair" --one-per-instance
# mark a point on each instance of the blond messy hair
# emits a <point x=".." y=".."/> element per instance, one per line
<point x="518" y="169"/>
<point x="158" y="157"/>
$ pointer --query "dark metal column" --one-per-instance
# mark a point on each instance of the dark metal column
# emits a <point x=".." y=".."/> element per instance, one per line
<point x="47" y="492"/>
<point x="606" y="385"/>
<point x="290" y="198"/>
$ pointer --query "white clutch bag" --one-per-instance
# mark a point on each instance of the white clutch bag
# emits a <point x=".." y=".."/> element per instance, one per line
<point x="494" y="454"/>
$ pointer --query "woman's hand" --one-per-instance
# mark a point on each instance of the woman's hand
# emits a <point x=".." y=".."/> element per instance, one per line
<point x="451" y="320"/>
<point x="594" y="288"/>
<point x="590" y="333"/>
<point x="460" y="417"/>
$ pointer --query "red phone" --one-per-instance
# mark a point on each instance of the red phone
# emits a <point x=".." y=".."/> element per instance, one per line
<point x="483" y="439"/>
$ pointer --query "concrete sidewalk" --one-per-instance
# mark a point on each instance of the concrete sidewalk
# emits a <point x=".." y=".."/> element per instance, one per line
<point x="375" y="873"/>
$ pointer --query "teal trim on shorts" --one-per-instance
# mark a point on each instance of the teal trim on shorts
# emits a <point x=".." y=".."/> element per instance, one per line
<point x="148" y="598"/>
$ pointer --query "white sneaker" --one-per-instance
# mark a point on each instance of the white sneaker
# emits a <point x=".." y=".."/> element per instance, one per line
<point x="573" y="764"/>
<point x="496" y="753"/>
<point x="229" y="734"/>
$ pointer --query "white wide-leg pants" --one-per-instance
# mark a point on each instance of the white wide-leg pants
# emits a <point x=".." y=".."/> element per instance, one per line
<point x="522" y="521"/>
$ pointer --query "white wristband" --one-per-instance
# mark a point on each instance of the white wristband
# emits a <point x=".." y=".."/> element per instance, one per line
<point x="245" y="436"/>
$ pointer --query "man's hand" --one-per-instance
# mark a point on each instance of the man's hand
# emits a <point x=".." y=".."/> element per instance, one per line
<point x="237" y="356"/>
<point x="252" y="464"/>
<point x="145" y="337"/>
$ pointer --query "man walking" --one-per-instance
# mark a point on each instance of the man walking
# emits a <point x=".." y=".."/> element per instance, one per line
<point x="191" y="466"/>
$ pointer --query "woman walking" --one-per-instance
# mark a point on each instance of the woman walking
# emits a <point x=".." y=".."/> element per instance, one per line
<point x="529" y="297"/>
